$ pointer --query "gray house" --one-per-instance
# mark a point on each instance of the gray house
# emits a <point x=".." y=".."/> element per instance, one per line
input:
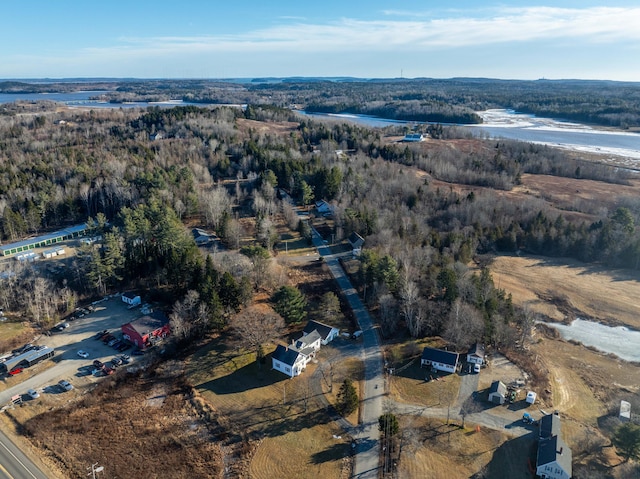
<point x="554" y="456"/>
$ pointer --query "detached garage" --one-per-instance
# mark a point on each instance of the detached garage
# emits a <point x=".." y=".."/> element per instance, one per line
<point x="497" y="392"/>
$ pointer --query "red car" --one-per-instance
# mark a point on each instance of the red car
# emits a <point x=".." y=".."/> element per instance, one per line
<point x="15" y="371"/>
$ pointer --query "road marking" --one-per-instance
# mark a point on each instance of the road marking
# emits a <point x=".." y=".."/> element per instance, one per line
<point x="19" y="461"/>
<point x="2" y="469"/>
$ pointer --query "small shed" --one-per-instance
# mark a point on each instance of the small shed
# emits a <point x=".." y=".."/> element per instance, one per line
<point x="356" y="241"/>
<point x="531" y="397"/>
<point x="625" y="411"/>
<point x="131" y="299"/>
<point x="497" y="392"/>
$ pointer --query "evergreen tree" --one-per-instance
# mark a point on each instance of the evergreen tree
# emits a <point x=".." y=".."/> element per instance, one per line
<point x="290" y="303"/>
<point x="347" y="398"/>
<point x="388" y="424"/>
<point x="627" y="441"/>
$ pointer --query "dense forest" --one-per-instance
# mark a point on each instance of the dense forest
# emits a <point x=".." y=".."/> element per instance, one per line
<point x="220" y="166"/>
<point x="455" y="100"/>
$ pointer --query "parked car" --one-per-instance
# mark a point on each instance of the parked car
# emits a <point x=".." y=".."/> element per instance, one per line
<point x="125" y="359"/>
<point x="108" y="338"/>
<point x="83" y="354"/>
<point x="124" y="346"/>
<point x="97" y="372"/>
<point x="33" y="394"/>
<point x="117" y="344"/>
<point x="116" y="361"/>
<point x="137" y="352"/>
<point x="100" y="334"/>
<point x="66" y="385"/>
<point x="107" y="370"/>
<point x="15" y="371"/>
<point x="476" y="368"/>
<point x="98" y="364"/>
<point x="62" y="327"/>
<point x="112" y="342"/>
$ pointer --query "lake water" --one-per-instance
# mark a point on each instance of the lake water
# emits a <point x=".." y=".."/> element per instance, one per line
<point x="82" y="99"/>
<point x="518" y="126"/>
<point x="620" y="340"/>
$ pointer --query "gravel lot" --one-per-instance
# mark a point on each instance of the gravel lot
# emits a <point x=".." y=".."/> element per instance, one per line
<point x="79" y="335"/>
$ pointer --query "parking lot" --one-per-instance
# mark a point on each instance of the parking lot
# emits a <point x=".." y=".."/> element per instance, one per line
<point x="80" y="335"/>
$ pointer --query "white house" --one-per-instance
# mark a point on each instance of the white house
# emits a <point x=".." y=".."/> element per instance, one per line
<point x="131" y="299"/>
<point x="327" y="333"/>
<point x="476" y="354"/>
<point x="440" y="360"/>
<point x="554" y="456"/>
<point x="413" y="137"/>
<point x="289" y="360"/>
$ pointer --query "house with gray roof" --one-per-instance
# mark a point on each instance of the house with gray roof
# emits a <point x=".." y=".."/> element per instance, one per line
<point x="554" y="456"/>
<point x="327" y="333"/>
<point x="289" y="360"/>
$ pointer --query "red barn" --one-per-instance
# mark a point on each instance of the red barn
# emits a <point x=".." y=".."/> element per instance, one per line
<point x="144" y="330"/>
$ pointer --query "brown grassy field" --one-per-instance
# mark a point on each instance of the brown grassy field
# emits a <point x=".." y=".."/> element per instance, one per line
<point x="128" y="425"/>
<point x="433" y="449"/>
<point x="603" y="295"/>
<point x="263" y="405"/>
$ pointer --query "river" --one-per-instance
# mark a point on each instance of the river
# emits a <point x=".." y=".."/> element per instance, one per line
<point x="620" y="340"/>
<point x="497" y="124"/>
<point x="530" y="128"/>
<point x="83" y="99"/>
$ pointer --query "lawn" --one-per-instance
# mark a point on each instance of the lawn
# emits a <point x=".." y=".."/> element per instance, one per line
<point x="293" y="431"/>
<point x="433" y="449"/>
<point x="13" y="334"/>
<point x="408" y="383"/>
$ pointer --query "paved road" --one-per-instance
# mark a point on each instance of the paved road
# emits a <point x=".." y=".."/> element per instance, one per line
<point x="367" y="459"/>
<point x="14" y="464"/>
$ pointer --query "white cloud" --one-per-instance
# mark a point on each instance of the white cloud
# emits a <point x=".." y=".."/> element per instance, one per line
<point x="601" y="24"/>
<point x="297" y="42"/>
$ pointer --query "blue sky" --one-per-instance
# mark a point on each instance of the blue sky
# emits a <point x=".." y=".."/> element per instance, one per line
<point x="374" y="38"/>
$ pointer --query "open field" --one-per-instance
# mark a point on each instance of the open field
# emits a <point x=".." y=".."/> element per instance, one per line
<point x="127" y="425"/>
<point x="258" y="404"/>
<point x="13" y="334"/>
<point x="607" y="296"/>
<point x="433" y="449"/>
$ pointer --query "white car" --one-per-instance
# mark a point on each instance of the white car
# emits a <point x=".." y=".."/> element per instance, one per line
<point x="33" y="394"/>
<point x="476" y="368"/>
<point x="83" y="354"/>
<point x="66" y="385"/>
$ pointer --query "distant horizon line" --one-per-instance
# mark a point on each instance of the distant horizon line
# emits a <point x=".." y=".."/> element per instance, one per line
<point x="298" y="77"/>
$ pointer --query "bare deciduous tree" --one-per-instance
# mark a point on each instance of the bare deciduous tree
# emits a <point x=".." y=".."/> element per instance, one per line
<point x="255" y="327"/>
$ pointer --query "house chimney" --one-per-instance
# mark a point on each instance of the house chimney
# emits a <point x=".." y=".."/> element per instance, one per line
<point x="560" y="451"/>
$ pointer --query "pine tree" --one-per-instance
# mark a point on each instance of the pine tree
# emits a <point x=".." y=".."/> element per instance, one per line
<point x="347" y="398"/>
